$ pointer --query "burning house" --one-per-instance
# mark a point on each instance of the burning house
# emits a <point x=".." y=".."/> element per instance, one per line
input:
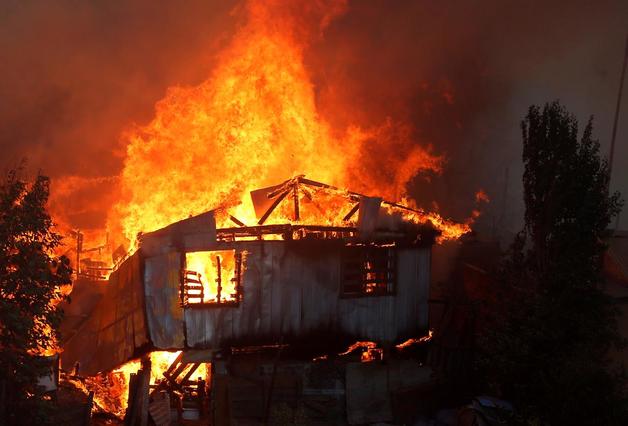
<point x="207" y="291"/>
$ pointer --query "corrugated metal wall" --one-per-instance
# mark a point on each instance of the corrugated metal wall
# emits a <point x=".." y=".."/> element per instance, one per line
<point x="162" y="276"/>
<point x="289" y="288"/>
<point x="116" y="327"/>
<point x="294" y="291"/>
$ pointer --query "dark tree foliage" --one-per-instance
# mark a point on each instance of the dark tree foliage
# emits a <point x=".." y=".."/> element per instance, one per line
<point x="30" y="281"/>
<point x="548" y="347"/>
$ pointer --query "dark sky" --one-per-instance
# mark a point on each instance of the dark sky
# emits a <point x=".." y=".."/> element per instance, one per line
<point x="74" y="75"/>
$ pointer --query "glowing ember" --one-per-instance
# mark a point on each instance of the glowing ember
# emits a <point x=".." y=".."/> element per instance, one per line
<point x="415" y="341"/>
<point x="370" y="352"/>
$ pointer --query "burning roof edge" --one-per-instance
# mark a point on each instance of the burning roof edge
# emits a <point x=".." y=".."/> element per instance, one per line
<point x="373" y="223"/>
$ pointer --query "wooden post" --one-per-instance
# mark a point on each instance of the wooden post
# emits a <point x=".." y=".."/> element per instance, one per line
<point x="295" y="194"/>
<point x="131" y="408"/>
<point x="200" y="392"/>
<point x="617" y="107"/>
<point x="218" y="279"/>
<point x="88" y="409"/>
<point x="615" y="121"/>
<point x="139" y="387"/>
<point x="79" y="248"/>
<point x="144" y="390"/>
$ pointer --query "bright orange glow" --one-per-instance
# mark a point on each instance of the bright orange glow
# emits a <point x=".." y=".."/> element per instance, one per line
<point x="414" y="341"/>
<point x="111" y="392"/>
<point x="370" y="351"/>
<point x="359" y="344"/>
<point x="206" y="263"/>
<point x="253" y="123"/>
<point x="44" y="327"/>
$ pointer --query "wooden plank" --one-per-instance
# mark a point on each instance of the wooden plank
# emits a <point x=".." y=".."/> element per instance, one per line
<point x="189" y="373"/>
<point x="131" y="409"/>
<point x="143" y="390"/>
<point x="273" y="206"/>
<point x="174" y="364"/>
<point x="236" y="221"/>
<point x="351" y="212"/>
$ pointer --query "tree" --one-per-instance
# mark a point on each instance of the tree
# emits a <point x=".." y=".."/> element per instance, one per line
<point x="30" y="289"/>
<point x="548" y="347"/>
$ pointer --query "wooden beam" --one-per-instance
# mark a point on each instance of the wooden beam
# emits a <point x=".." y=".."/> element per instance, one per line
<point x="351" y="212"/>
<point x="295" y="195"/>
<point x="236" y="220"/>
<point x="143" y="390"/>
<point x="173" y="365"/>
<point x="190" y="372"/>
<point x="273" y="206"/>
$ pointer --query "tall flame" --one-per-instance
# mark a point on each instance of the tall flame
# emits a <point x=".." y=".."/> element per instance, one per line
<point x="254" y="123"/>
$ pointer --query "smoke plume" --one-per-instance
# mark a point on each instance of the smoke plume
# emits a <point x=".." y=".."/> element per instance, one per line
<point x="459" y="77"/>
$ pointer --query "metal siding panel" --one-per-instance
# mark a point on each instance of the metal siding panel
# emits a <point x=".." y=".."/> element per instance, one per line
<point x="283" y="289"/>
<point x="407" y="289"/>
<point x="266" y="264"/>
<point x="108" y="338"/>
<point x="319" y="281"/>
<point x="209" y="327"/>
<point x="283" y="286"/>
<point x="413" y="289"/>
<point x="276" y="291"/>
<point x="424" y="274"/>
<point x="164" y="313"/>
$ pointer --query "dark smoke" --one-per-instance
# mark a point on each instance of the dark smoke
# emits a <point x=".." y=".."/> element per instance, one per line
<point x="464" y="74"/>
<point x="76" y="74"/>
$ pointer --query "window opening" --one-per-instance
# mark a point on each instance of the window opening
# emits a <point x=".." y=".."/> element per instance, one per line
<point x="212" y="278"/>
<point x="368" y="271"/>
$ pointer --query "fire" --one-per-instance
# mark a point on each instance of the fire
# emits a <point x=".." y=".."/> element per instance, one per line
<point x="217" y="271"/>
<point x="254" y="122"/>
<point x="414" y="341"/>
<point x="111" y="390"/>
<point x="370" y="351"/>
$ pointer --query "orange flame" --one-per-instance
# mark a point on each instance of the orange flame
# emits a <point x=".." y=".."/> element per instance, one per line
<point x="112" y="396"/>
<point x="254" y="123"/>
<point x="414" y="341"/>
<point x="206" y="264"/>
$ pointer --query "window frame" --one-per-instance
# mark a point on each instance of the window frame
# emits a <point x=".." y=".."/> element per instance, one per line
<point x="355" y="270"/>
<point x="238" y="277"/>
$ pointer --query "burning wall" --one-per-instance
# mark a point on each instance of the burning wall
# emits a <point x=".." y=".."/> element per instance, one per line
<point x="252" y="123"/>
<point x="369" y="282"/>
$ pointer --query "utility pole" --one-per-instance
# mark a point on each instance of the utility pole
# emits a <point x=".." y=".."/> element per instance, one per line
<point x="79" y="248"/>
<point x="617" y="108"/>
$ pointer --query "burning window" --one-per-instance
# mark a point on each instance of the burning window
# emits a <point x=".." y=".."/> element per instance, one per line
<point x="212" y="278"/>
<point x="368" y="271"/>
